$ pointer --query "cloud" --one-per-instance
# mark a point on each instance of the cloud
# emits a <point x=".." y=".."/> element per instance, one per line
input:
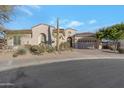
<point x="28" y="8"/>
<point x="75" y="24"/>
<point x="66" y="23"/>
<point x="35" y="6"/>
<point x="61" y="22"/>
<point x="25" y="10"/>
<point x="92" y="21"/>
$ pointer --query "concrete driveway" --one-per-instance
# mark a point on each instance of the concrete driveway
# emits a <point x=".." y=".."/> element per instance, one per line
<point x="95" y="73"/>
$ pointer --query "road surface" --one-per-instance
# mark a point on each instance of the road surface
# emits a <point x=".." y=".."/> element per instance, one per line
<point x="92" y="73"/>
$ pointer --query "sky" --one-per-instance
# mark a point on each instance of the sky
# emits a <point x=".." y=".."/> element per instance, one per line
<point x="83" y="18"/>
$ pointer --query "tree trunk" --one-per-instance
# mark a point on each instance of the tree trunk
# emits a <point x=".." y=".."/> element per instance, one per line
<point x="115" y="44"/>
<point x="100" y="45"/>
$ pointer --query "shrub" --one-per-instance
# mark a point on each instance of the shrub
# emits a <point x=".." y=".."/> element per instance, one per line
<point x="37" y="49"/>
<point x="65" y="46"/>
<point x="50" y="49"/>
<point x="19" y="52"/>
<point x="27" y="46"/>
<point x="15" y="55"/>
<point x="112" y="47"/>
<point x="121" y="50"/>
<point x="62" y="46"/>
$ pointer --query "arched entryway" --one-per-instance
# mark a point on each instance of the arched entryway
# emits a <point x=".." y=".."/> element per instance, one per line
<point x="42" y="38"/>
<point x="69" y="40"/>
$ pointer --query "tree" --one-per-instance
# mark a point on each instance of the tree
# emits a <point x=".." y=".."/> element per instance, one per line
<point x="100" y="35"/>
<point x="113" y="33"/>
<point x="5" y="11"/>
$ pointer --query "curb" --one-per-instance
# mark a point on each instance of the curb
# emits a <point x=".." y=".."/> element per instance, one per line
<point x="12" y="66"/>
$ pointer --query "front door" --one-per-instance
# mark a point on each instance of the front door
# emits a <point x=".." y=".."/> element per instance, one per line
<point x="69" y="40"/>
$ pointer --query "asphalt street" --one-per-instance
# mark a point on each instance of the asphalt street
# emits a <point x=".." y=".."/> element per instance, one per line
<point x="92" y="73"/>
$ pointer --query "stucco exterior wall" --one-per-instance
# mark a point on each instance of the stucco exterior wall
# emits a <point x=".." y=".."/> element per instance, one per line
<point x="38" y="30"/>
<point x="10" y="41"/>
<point x="24" y="38"/>
<point x="35" y="37"/>
<point x="69" y="33"/>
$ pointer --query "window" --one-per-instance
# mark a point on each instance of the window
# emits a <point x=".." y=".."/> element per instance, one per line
<point x="17" y="40"/>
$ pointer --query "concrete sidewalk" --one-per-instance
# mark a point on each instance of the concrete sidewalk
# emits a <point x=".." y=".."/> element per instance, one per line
<point x="8" y="62"/>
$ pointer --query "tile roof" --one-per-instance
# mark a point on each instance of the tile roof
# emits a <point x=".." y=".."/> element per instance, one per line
<point x="85" y="34"/>
<point x="60" y="30"/>
<point x="26" y="31"/>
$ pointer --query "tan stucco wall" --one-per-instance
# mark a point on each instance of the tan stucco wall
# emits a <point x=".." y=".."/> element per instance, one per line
<point x="34" y="38"/>
<point x="25" y="38"/>
<point x="36" y="32"/>
<point x="69" y="32"/>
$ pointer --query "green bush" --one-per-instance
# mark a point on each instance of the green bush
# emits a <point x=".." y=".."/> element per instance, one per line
<point x="37" y="49"/>
<point x="50" y="49"/>
<point x="19" y="52"/>
<point x="121" y="50"/>
<point x="15" y="55"/>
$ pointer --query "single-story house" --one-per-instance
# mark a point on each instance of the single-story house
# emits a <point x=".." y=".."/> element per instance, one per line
<point x="47" y="34"/>
<point x="38" y="34"/>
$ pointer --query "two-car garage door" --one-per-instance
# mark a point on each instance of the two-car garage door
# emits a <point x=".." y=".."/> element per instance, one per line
<point x="86" y="44"/>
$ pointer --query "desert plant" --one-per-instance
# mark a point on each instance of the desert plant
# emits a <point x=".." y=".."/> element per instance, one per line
<point x="111" y="47"/>
<point x="19" y="52"/>
<point x="65" y="46"/>
<point x="37" y="49"/>
<point x="121" y="50"/>
<point x="50" y="49"/>
<point x="62" y="47"/>
<point x="15" y="55"/>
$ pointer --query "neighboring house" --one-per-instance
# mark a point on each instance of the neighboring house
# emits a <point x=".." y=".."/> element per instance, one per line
<point x="86" y="40"/>
<point x="39" y="34"/>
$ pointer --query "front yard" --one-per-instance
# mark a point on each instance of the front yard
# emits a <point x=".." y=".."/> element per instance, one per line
<point x="75" y="53"/>
<point x="7" y="61"/>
